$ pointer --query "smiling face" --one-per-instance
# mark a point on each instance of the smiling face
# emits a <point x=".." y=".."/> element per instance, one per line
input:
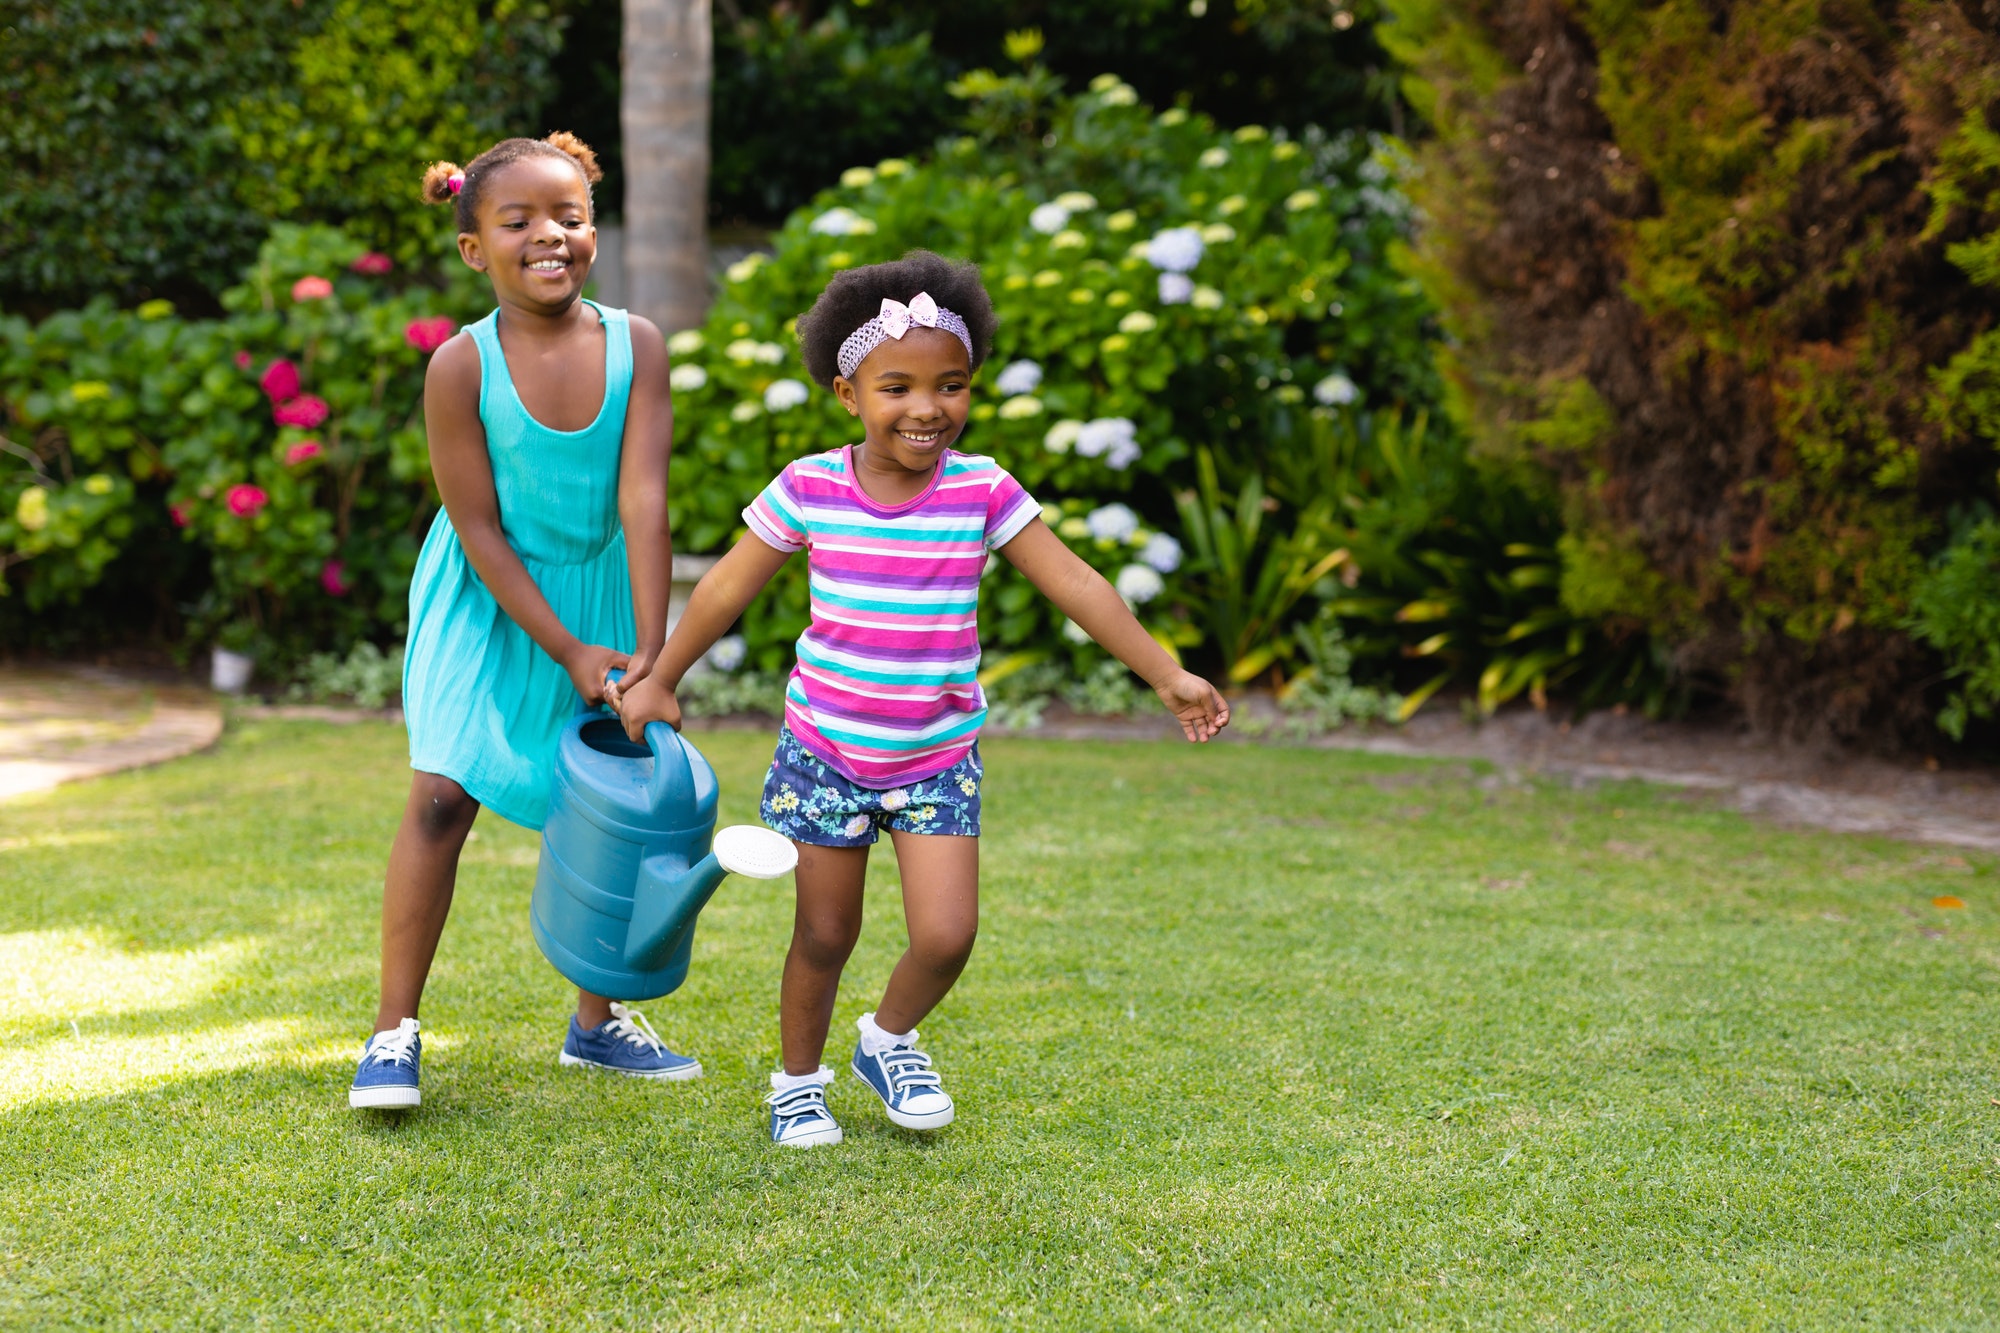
<point x="911" y="394"/>
<point x="535" y="238"/>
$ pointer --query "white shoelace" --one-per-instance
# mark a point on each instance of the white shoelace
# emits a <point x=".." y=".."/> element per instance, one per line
<point x="398" y="1047"/>
<point x="633" y="1027"/>
<point x="910" y="1071"/>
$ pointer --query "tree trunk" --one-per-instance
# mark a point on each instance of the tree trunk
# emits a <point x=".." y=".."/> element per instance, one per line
<point x="668" y="58"/>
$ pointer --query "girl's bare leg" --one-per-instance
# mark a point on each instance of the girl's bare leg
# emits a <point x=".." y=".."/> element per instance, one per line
<point x="824" y="928"/>
<point x="416" y="898"/>
<point x="941" y="907"/>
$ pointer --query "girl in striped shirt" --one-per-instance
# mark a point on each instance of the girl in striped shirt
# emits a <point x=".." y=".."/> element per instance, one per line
<point x="882" y="712"/>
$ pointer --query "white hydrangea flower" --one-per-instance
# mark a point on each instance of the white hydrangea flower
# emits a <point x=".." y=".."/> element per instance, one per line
<point x="1175" y="250"/>
<point x="1069" y="239"/>
<point x="784" y="395"/>
<point x="1123" y="220"/>
<point x="1175" y="288"/>
<point x="1217" y="233"/>
<point x="1284" y="152"/>
<point x="770" y="354"/>
<point x="1214" y="157"/>
<point x="1019" y="406"/>
<point x="1335" y="390"/>
<point x="685" y="343"/>
<point x="1138" y="583"/>
<point x="1051" y="514"/>
<point x="1162" y="552"/>
<point x="1298" y="201"/>
<point x="1061" y="438"/>
<point x="1074" y="632"/>
<point x="892" y="166"/>
<point x="857" y="178"/>
<point x="1122" y="95"/>
<point x="1019" y="377"/>
<point x="745" y="411"/>
<point x="741" y="270"/>
<point x="1122" y="455"/>
<point x="1251" y="133"/>
<point x="1138" y="322"/>
<point x="834" y="222"/>
<point x="1048" y="219"/>
<point x="1172" y="116"/>
<point x="727" y="653"/>
<point x="687" y="377"/>
<point x="741" y="350"/>
<point x="1112" y="522"/>
<point x="1232" y="205"/>
<point x="1205" y="298"/>
<point x="1077" y="201"/>
<point x="1104" y="434"/>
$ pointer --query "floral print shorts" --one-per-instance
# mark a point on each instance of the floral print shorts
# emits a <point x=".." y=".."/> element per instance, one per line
<point x="808" y="802"/>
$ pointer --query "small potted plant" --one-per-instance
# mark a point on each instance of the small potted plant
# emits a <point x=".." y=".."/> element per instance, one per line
<point x="234" y="660"/>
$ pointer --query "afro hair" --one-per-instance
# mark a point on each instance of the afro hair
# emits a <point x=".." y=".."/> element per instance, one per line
<point x="855" y="296"/>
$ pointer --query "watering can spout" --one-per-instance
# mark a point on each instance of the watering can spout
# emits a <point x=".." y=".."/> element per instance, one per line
<point x="669" y="895"/>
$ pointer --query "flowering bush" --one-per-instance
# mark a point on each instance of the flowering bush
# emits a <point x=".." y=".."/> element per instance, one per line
<point x="284" y="441"/>
<point x="1162" y="285"/>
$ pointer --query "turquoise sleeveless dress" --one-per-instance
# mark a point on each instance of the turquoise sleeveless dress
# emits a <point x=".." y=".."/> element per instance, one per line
<point x="483" y="702"/>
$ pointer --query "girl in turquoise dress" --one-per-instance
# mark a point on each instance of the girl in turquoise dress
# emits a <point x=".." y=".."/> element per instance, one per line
<point x="549" y="427"/>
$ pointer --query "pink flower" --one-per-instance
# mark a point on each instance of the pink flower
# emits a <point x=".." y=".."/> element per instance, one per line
<point x="281" y="381"/>
<point x="311" y="288"/>
<point x="246" y="500"/>
<point x="179" y="514"/>
<point x="372" y="264"/>
<point x="427" y="335"/>
<point x="243" y="360"/>
<point x="333" y="578"/>
<point x="307" y="410"/>
<point x="301" y="451"/>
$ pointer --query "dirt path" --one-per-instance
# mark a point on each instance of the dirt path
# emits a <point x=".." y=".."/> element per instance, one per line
<point x="60" y="724"/>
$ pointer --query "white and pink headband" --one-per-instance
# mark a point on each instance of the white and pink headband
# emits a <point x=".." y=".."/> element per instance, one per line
<point x="896" y="320"/>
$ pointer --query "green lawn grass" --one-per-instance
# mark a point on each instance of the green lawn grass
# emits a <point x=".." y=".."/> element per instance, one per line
<point x="1253" y="1038"/>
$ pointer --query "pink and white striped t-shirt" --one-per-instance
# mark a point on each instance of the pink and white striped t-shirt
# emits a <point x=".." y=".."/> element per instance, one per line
<point x="886" y="689"/>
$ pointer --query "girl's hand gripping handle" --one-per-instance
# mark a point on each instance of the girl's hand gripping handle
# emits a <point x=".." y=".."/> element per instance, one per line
<point x="645" y="701"/>
<point x="590" y="666"/>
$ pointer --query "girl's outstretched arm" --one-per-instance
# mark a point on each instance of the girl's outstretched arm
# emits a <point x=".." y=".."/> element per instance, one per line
<point x="717" y="603"/>
<point x="1086" y="598"/>
<point x="464" y="473"/>
<point x="642" y="493"/>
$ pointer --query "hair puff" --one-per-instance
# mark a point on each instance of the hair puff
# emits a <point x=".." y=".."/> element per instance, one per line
<point x="562" y="144"/>
<point x="855" y="296"/>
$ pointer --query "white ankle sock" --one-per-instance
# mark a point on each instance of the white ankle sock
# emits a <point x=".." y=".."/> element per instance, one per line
<point x="876" y="1039"/>
<point x="783" y="1082"/>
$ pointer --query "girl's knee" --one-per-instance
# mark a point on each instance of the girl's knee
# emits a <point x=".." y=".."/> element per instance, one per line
<point x="440" y="807"/>
<point x="944" y="952"/>
<point x="825" y="941"/>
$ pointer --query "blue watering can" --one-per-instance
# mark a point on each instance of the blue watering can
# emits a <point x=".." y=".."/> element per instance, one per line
<point x="630" y="856"/>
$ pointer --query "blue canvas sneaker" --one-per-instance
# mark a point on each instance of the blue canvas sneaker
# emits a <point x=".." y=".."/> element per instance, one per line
<point x="626" y="1044"/>
<point x="387" y="1078"/>
<point x="911" y="1091"/>
<point x="799" y="1118"/>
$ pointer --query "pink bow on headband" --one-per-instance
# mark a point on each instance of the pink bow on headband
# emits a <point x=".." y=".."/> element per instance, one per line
<point x="897" y="317"/>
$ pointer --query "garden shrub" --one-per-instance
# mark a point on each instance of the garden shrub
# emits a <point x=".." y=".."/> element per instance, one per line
<point x="150" y="146"/>
<point x="284" y="441"/>
<point x="1715" y="270"/>
<point x="1164" y="286"/>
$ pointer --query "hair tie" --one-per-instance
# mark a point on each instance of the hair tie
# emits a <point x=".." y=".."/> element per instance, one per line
<point x="455" y="182"/>
<point x="896" y="320"/>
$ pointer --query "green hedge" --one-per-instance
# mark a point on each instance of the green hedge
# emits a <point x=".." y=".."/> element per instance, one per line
<point x="1723" y="276"/>
<point x="150" y="145"/>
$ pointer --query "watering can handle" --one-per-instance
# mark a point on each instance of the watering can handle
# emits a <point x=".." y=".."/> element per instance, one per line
<point x="611" y="677"/>
<point x="670" y="760"/>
